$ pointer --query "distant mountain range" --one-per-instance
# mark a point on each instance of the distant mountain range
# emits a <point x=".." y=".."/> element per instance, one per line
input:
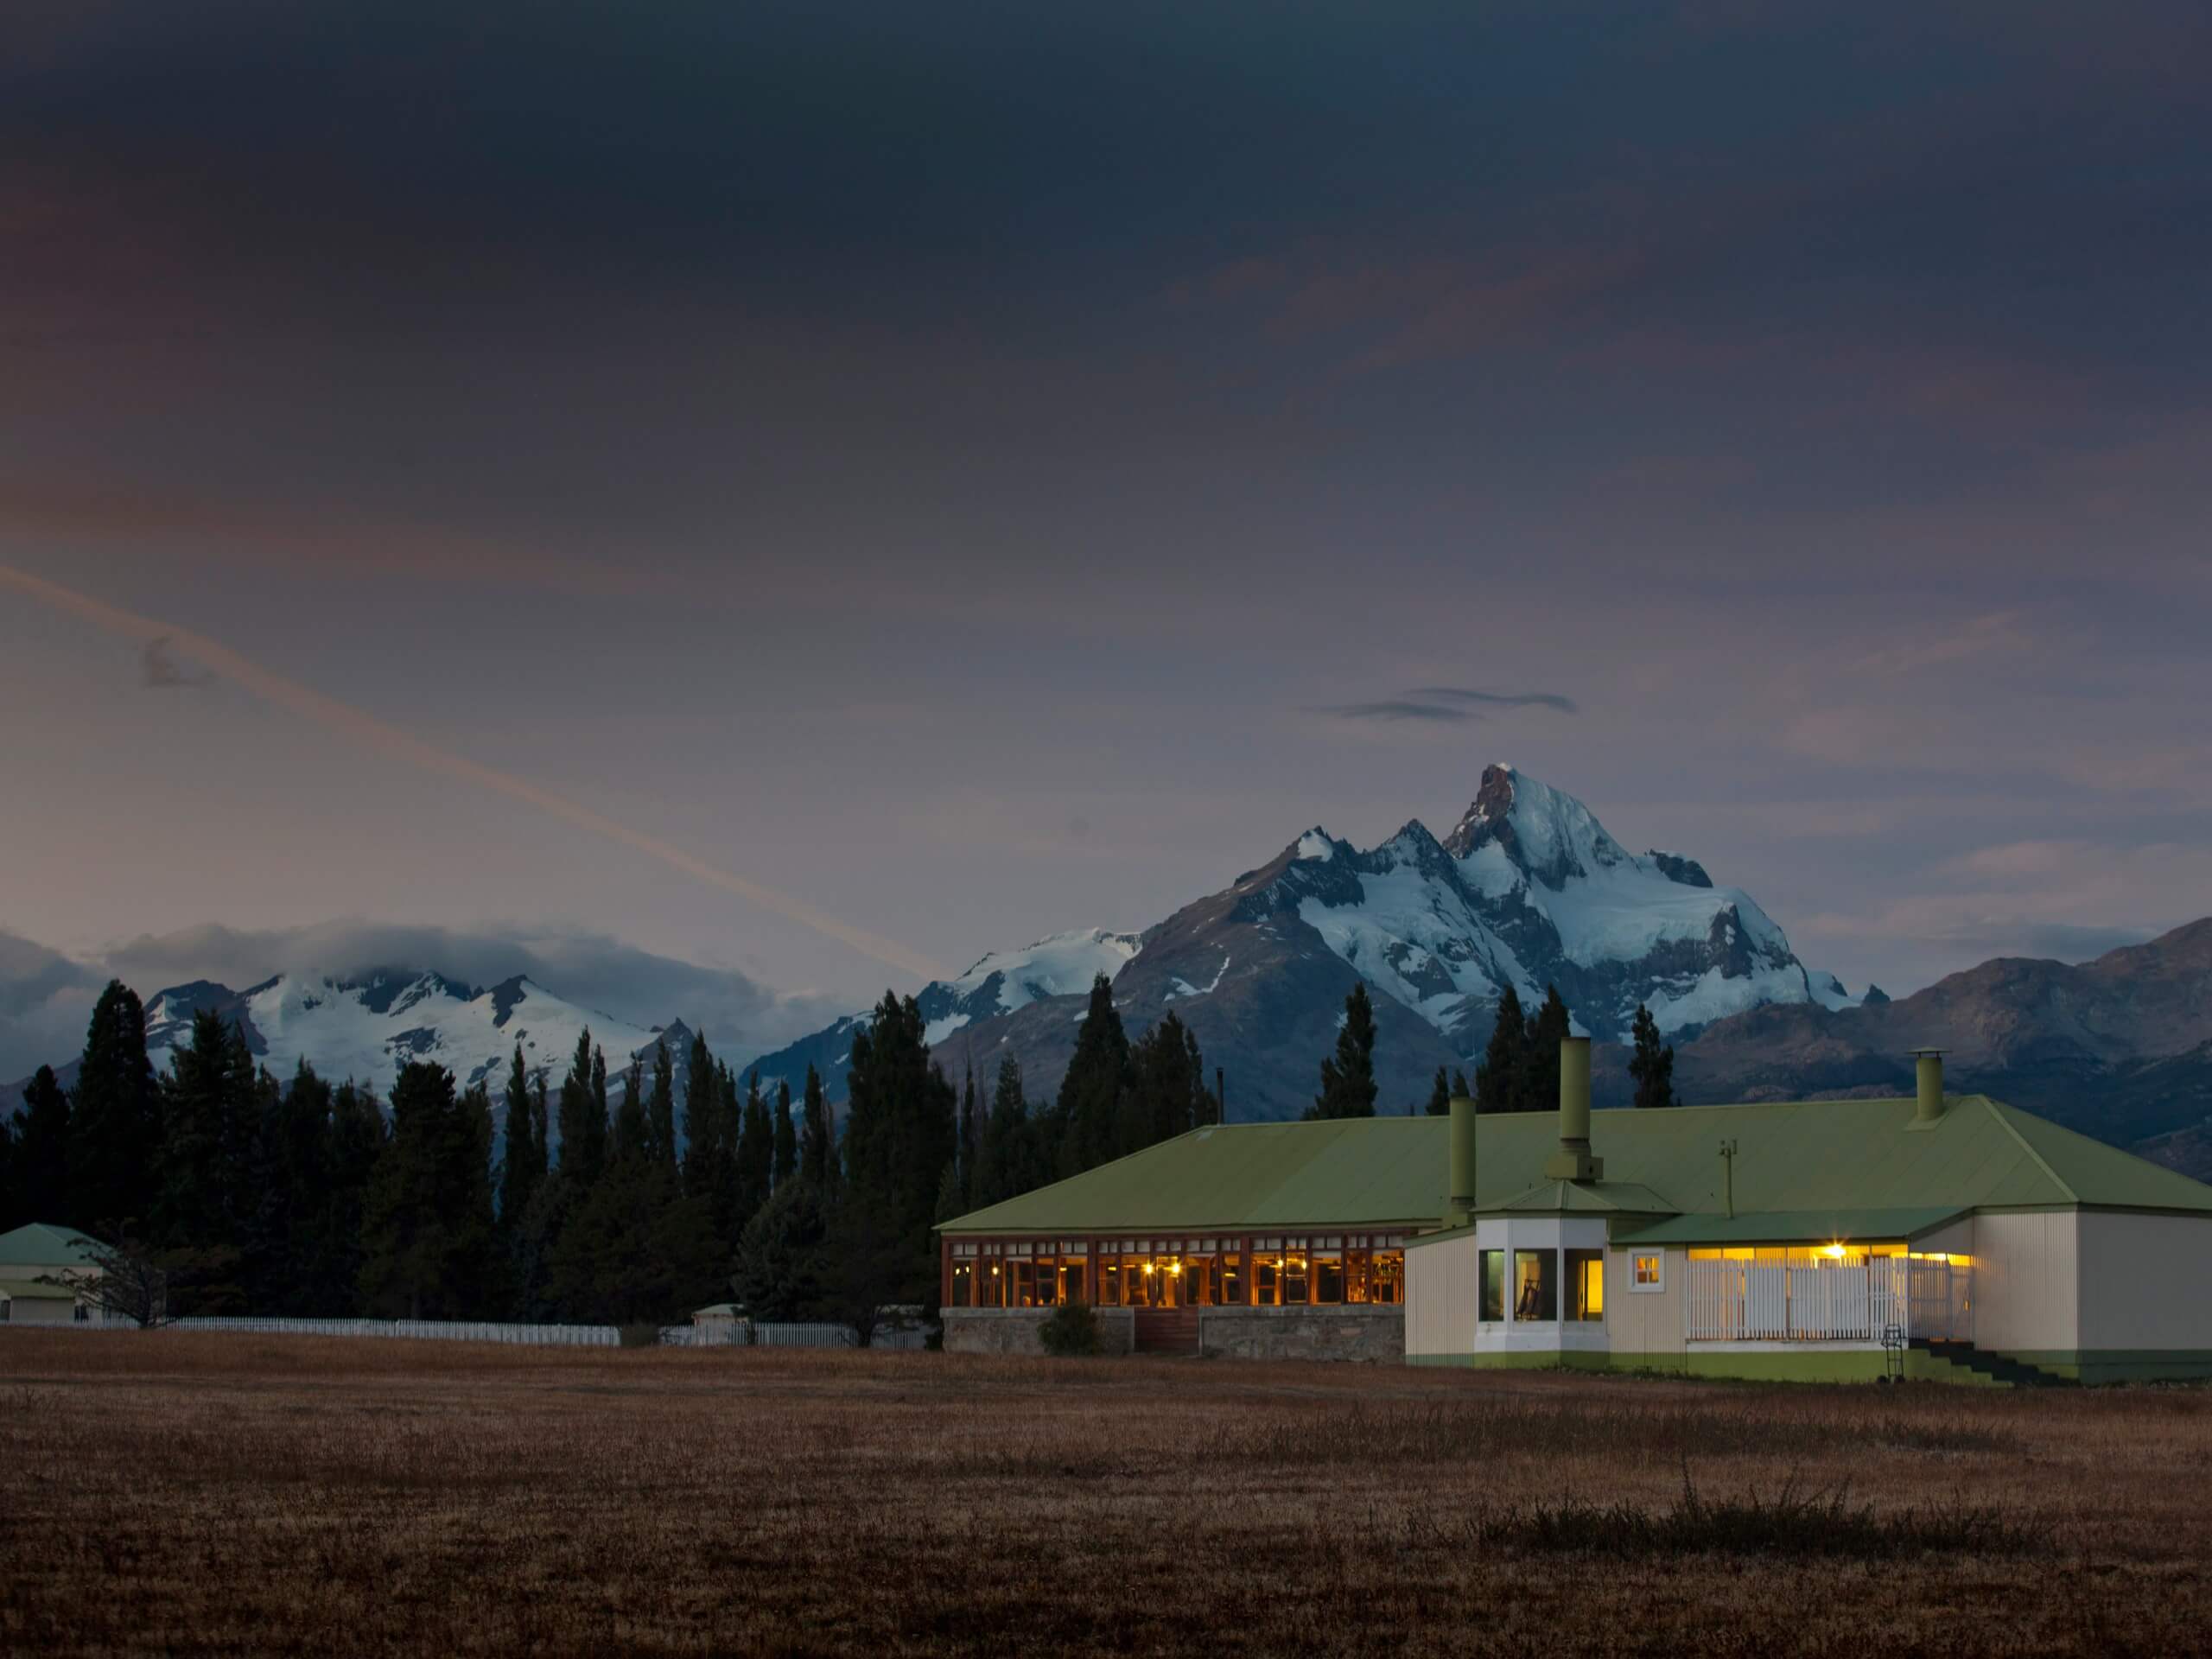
<point x="366" y="1027"/>
<point x="1528" y="890"/>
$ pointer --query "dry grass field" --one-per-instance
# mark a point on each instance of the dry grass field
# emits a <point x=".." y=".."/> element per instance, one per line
<point x="172" y="1493"/>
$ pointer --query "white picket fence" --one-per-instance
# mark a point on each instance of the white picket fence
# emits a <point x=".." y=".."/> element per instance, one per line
<point x="535" y="1336"/>
<point x="722" y="1334"/>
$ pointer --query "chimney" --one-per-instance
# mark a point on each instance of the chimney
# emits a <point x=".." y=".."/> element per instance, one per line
<point x="1928" y="1067"/>
<point x="1460" y="1207"/>
<point x="1573" y="1161"/>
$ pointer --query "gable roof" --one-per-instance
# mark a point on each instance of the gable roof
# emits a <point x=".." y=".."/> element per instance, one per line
<point x="44" y="1244"/>
<point x="29" y="1290"/>
<point x="1803" y="1158"/>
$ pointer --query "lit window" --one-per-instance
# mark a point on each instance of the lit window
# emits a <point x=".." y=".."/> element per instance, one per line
<point x="1535" y="1291"/>
<point x="1048" y="1282"/>
<point x="1232" y="1280"/>
<point x="1644" y="1271"/>
<point x="1585" y="1284"/>
<point x="1328" y="1276"/>
<point x="1493" y="1286"/>
<point x="1294" y="1279"/>
<point x="1387" y="1279"/>
<point x="963" y="1284"/>
<point x="1267" y="1279"/>
<point x="1025" y="1285"/>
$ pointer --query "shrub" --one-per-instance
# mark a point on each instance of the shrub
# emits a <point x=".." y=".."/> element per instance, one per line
<point x="639" y="1336"/>
<point x="1072" y="1329"/>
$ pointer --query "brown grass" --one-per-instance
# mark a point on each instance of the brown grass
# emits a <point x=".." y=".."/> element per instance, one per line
<point x="174" y="1493"/>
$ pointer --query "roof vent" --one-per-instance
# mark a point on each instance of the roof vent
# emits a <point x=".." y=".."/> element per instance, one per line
<point x="1573" y="1161"/>
<point x="1928" y="1069"/>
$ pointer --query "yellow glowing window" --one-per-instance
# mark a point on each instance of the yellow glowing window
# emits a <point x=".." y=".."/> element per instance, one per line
<point x="1644" y="1271"/>
<point x="1585" y="1284"/>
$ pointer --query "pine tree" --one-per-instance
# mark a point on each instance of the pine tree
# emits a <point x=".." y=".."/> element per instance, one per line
<point x="779" y="1255"/>
<point x="114" y="1118"/>
<point x="522" y="1163"/>
<point x="41" y="1155"/>
<point x="1348" y="1087"/>
<point x="899" y="1134"/>
<point x="1006" y="1160"/>
<point x="961" y="1198"/>
<point x="1090" y="1105"/>
<point x="786" y="1135"/>
<point x="818" y="1140"/>
<point x="702" y="1119"/>
<point x="285" y="1239"/>
<point x="633" y="1139"/>
<point x="1167" y="1093"/>
<point x="357" y="1140"/>
<point x="1498" y="1075"/>
<point x="660" y="1115"/>
<point x="756" y="1153"/>
<point x="1439" y="1096"/>
<point x="427" y="1227"/>
<point x="1459" y="1089"/>
<point x="1653" y="1064"/>
<point x="582" y="1140"/>
<point x="191" y="1211"/>
<point x="1548" y="1027"/>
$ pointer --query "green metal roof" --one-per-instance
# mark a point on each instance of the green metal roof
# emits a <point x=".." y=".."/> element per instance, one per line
<point x="1803" y="1158"/>
<point x="29" y="1290"/>
<point x="42" y="1244"/>
<point x="1794" y="1227"/>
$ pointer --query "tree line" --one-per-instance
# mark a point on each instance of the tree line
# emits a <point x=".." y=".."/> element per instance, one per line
<point x="302" y="1197"/>
<point x="1518" y="1072"/>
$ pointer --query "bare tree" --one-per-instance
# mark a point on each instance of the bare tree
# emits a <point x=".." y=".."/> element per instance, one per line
<point x="120" y="1278"/>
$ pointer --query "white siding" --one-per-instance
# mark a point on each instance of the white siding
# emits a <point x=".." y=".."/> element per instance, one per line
<point x="1442" y="1293"/>
<point x="2144" y="1281"/>
<point x="2027" y="1281"/>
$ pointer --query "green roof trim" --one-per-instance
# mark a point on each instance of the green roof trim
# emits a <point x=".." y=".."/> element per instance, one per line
<point x="1797" y="1227"/>
<point x="29" y="1290"/>
<point x="1808" y="1158"/>
<point x="43" y="1244"/>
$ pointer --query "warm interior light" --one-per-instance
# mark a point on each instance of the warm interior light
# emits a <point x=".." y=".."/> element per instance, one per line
<point x="1834" y="1249"/>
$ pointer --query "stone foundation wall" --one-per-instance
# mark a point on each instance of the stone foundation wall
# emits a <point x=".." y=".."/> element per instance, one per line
<point x="1013" y="1330"/>
<point x="1374" y="1334"/>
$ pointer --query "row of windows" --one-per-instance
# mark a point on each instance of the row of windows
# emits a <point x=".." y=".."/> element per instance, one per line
<point x="1534" y="1287"/>
<point x="1233" y="1278"/>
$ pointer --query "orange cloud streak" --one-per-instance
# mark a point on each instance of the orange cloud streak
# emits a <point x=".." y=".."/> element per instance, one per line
<point x="389" y="740"/>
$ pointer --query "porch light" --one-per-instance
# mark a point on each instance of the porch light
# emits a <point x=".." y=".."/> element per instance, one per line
<point x="1835" y="1250"/>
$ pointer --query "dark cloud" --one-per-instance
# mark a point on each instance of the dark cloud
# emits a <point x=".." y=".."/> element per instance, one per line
<point x="157" y="669"/>
<point x="1394" y="709"/>
<point x="1501" y="699"/>
<point x="45" y="996"/>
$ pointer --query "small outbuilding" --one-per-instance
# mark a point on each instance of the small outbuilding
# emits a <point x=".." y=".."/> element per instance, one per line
<point x="44" y="1269"/>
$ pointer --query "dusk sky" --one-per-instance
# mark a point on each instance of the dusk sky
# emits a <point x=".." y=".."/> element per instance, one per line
<point x="825" y="491"/>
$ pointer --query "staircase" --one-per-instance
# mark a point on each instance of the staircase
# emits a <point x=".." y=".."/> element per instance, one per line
<point x="1992" y="1368"/>
<point x="1167" y="1331"/>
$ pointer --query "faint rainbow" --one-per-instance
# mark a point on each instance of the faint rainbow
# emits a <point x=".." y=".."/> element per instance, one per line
<point x="389" y="740"/>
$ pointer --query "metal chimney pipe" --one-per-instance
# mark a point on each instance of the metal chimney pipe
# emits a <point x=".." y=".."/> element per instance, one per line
<point x="1928" y="1070"/>
<point x="1461" y="1203"/>
<point x="1574" y="1094"/>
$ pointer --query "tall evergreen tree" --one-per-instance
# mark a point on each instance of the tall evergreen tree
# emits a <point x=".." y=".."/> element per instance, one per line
<point x="756" y="1153"/>
<point x="966" y="1144"/>
<point x="114" y="1118"/>
<point x="357" y="1137"/>
<point x="41" y="1157"/>
<point x="428" y="1227"/>
<point x="1652" y="1066"/>
<point x="1348" y="1086"/>
<point x="1504" y="1063"/>
<point x="1440" y="1095"/>
<point x="1007" y="1156"/>
<point x="660" y="1116"/>
<point x="632" y="1140"/>
<point x="1088" y="1108"/>
<point x="787" y="1134"/>
<point x="1547" y="1028"/>
<point x="1459" y="1089"/>
<point x="817" y="1139"/>
<point x="710" y="1159"/>
<point x="1167" y="1094"/>
<point x="283" y="1230"/>
<point x="899" y="1133"/>
<point x="523" y="1166"/>
<point x="582" y="1125"/>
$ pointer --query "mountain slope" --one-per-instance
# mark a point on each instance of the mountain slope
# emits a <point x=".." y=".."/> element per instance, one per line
<point x="2120" y="1047"/>
<point x="1530" y="890"/>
